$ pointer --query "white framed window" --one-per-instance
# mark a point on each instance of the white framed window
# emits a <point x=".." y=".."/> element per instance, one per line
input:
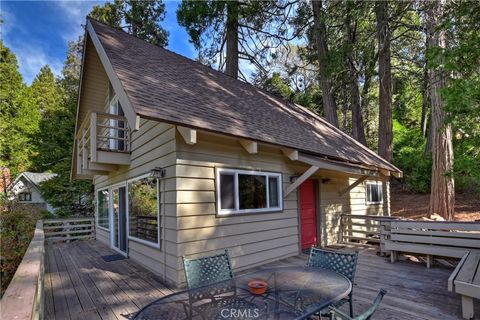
<point x="374" y="192"/>
<point x="25" y="196"/>
<point x="143" y="207"/>
<point x="116" y="135"/>
<point x="243" y="191"/>
<point x="103" y="204"/>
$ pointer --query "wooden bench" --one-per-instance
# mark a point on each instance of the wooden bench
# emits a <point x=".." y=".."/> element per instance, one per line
<point x="432" y="238"/>
<point x="465" y="280"/>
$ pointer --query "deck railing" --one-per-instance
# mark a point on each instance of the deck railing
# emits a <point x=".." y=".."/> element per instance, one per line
<point x="24" y="297"/>
<point x="362" y="229"/>
<point x="68" y="229"/>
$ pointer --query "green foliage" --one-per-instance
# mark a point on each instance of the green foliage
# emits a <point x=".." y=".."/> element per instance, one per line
<point x="261" y="26"/>
<point x="55" y="142"/>
<point x="408" y="155"/>
<point x="140" y="18"/>
<point x="19" y="117"/>
<point x="466" y="166"/>
<point x="17" y="224"/>
<point x="69" y="198"/>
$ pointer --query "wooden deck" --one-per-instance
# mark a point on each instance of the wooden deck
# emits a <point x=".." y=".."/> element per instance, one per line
<point x="79" y="284"/>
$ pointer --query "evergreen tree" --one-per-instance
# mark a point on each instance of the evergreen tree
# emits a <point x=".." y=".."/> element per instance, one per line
<point x="56" y="143"/>
<point x="139" y="18"/>
<point x="52" y="137"/>
<point x="19" y="116"/>
<point x="226" y="32"/>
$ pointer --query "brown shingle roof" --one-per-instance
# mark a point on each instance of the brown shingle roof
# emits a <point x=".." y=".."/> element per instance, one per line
<point x="166" y="86"/>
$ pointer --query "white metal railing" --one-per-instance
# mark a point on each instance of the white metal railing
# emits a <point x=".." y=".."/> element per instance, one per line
<point x="102" y="132"/>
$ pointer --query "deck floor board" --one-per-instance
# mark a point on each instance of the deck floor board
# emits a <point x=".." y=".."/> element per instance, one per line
<point x="79" y="284"/>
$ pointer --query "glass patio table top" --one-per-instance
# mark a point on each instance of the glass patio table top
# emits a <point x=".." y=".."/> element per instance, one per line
<point x="292" y="293"/>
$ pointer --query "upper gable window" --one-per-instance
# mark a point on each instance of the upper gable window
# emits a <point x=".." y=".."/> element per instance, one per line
<point x="374" y="192"/>
<point x="25" y="196"/>
<point x="117" y="133"/>
<point x="241" y="191"/>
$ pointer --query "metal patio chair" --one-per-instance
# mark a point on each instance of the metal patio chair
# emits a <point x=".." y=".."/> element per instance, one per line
<point x="336" y="314"/>
<point x="208" y="271"/>
<point x="343" y="263"/>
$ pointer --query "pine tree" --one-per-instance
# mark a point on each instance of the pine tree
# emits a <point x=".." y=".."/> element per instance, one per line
<point x="139" y="18"/>
<point x="19" y="116"/>
<point x="226" y="32"/>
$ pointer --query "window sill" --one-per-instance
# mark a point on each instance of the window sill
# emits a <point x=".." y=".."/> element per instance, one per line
<point x="103" y="228"/>
<point x="247" y="213"/>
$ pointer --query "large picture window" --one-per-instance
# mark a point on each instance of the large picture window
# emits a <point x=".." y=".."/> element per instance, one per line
<point x="374" y="192"/>
<point x="102" y="209"/>
<point x="241" y="191"/>
<point x="143" y="208"/>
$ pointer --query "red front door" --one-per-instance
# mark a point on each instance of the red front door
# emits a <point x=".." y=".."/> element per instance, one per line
<point x="308" y="214"/>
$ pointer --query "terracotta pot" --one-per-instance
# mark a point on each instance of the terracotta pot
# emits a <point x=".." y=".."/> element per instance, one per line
<point x="257" y="287"/>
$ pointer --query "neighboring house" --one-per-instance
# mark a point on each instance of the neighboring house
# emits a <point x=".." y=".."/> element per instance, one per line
<point x="26" y="189"/>
<point x="188" y="161"/>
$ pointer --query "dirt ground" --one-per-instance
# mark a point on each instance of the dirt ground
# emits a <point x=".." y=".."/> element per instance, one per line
<point x="415" y="205"/>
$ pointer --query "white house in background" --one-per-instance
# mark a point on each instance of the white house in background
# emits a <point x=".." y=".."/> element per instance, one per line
<point x="26" y="189"/>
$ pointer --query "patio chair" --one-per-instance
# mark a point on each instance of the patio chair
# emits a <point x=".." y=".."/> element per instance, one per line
<point x="343" y="263"/>
<point x="336" y="314"/>
<point x="207" y="271"/>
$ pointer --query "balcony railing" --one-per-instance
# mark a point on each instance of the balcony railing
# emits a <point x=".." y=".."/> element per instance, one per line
<point x="102" y="140"/>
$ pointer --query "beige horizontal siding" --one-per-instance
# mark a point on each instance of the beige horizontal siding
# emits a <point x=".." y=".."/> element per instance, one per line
<point x="250" y="238"/>
<point x="332" y="205"/>
<point x="153" y="145"/>
<point x="102" y="236"/>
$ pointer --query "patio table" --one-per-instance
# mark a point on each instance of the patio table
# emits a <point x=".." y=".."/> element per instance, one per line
<point x="293" y="293"/>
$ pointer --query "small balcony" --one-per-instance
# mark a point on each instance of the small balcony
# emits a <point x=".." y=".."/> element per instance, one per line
<point x="103" y="143"/>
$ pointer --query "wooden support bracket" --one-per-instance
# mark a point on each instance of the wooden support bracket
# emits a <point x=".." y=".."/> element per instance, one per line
<point x="291" y="154"/>
<point x="188" y="134"/>
<point x="353" y="185"/>
<point x="250" y="146"/>
<point x="307" y="174"/>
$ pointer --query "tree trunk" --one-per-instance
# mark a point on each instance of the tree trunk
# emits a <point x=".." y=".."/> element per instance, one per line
<point x="320" y="38"/>
<point x="385" y="124"/>
<point x="231" y="61"/>
<point x="358" y="131"/>
<point x="442" y="195"/>
<point x="425" y="100"/>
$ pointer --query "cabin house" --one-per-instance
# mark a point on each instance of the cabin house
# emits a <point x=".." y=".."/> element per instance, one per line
<point x="25" y="189"/>
<point x="187" y="161"/>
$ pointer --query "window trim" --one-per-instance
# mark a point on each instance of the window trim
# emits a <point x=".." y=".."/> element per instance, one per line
<point x="108" y="209"/>
<point x="377" y="183"/>
<point x="231" y="212"/>
<point x="25" y="198"/>
<point x="133" y="238"/>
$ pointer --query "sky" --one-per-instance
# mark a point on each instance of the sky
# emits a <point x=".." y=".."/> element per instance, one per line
<point x="38" y="32"/>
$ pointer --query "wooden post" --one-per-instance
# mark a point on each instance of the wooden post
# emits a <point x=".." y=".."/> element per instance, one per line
<point x="467" y="307"/>
<point x="384" y="235"/>
<point x="342" y="227"/>
<point x="429" y="260"/>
